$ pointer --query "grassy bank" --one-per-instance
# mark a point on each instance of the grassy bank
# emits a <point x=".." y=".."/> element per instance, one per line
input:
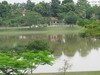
<point x="72" y="73"/>
<point x="46" y="30"/>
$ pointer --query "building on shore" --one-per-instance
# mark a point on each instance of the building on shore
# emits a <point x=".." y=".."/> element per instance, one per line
<point x="54" y="21"/>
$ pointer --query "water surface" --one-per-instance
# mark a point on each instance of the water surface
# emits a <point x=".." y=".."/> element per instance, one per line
<point x="82" y="53"/>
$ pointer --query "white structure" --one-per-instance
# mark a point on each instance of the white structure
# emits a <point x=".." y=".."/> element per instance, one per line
<point x="94" y="2"/>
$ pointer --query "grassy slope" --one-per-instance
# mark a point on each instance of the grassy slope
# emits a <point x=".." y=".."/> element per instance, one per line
<point x="47" y="30"/>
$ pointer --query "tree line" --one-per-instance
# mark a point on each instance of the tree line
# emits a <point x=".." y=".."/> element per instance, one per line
<point x="29" y="13"/>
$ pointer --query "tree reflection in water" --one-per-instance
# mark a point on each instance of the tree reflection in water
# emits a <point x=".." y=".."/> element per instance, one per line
<point x="71" y="43"/>
<point x="68" y="43"/>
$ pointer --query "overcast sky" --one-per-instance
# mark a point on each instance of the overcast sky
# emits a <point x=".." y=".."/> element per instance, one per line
<point x="36" y="1"/>
<point x="21" y="1"/>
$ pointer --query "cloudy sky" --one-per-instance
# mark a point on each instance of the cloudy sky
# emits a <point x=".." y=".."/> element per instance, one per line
<point x="20" y="1"/>
<point x="36" y="1"/>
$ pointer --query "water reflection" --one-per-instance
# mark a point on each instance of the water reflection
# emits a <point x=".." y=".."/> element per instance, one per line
<point x="69" y="44"/>
<point x="79" y="63"/>
<point x="22" y="37"/>
<point x="89" y="63"/>
<point x="82" y="53"/>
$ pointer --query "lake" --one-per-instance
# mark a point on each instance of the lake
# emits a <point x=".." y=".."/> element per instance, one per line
<point x="81" y="53"/>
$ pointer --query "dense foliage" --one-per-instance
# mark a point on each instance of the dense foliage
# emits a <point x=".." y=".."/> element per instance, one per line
<point x="91" y="28"/>
<point x="38" y="45"/>
<point x="29" y="13"/>
<point x="71" y="18"/>
<point x="25" y="59"/>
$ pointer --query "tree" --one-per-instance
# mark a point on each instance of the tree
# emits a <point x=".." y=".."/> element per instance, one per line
<point x="67" y="1"/>
<point x="19" y="64"/>
<point x="31" y="18"/>
<point x="29" y="5"/>
<point x="71" y="18"/>
<point x="92" y="29"/>
<point x="82" y="22"/>
<point x="89" y="12"/>
<point x="1" y="21"/>
<point x="68" y="7"/>
<point x="83" y="3"/>
<point x="38" y="45"/>
<point x="4" y="9"/>
<point x="55" y="7"/>
<point x="97" y="12"/>
<point x="7" y="64"/>
<point x="35" y="59"/>
<point x="43" y="8"/>
<point x="82" y="6"/>
<point x="65" y="67"/>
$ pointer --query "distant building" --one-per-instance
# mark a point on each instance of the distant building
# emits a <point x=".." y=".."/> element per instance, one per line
<point x="94" y="2"/>
<point x="54" y="21"/>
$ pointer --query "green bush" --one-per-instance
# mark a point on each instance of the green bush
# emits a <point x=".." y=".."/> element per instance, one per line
<point x="92" y="29"/>
<point x="71" y="18"/>
<point x="38" y="45"/>
<point x="83" y="23"/>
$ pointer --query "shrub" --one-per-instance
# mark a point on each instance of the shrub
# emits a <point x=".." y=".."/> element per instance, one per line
<point x="71" y="18"/>
<point x="38" y="45"/>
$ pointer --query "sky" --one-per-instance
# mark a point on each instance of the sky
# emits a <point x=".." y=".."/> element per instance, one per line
<point x="21" y="1"/>
<point x="36" y="1"/>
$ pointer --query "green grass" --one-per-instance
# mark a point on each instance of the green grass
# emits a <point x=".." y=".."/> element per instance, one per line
<point x="47" y="30"/>
<point x="72" y="73"/>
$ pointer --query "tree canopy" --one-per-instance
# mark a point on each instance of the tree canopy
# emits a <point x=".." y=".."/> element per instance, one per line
<point x="26" y="61"/>
<point x="67" y="1"/>
<point x="29" y="13"/>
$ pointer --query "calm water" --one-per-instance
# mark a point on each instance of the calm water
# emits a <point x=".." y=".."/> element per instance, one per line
<point x="81" y="53"/>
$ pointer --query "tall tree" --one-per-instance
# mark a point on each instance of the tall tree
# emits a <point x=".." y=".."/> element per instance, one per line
<point x="89" y="13"/>
<point x="82" y="6"/>
<point x="97" y="12"/>
<point x="68" y="7"/>
<point x="55" y="7"/>
<point x="4" y="9"/>
<point x="67" y="1"/>
<point x="29" y="5"/>
<point x="31" y="18"/>
<point x="43" y="8"/>
<point x="71" y="18"/>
